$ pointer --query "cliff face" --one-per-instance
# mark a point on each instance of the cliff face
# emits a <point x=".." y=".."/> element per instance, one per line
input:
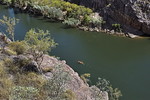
<point x="75" y="83"/>
<point x="133" y="15"/>
<point x="60" y="76"/>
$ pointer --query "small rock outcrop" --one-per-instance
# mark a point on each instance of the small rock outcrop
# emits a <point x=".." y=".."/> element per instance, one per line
<point x="133" y="15"/>
<point x="75" y="83"/>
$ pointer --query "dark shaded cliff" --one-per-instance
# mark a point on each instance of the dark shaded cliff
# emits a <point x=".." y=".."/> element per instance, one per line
<point x="133" y="15"/>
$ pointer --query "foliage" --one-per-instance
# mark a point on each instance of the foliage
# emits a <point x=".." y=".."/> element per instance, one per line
<point x="85" y="77"/>
<point x="69" y="95"/>
<point x="19" y="47"/>
<point x="10" y="52"/>
<point x="5" y="82"/>
<point x="50" y="12"/>
<point x="30" y="79"/>
<point x="56" y="9"/>
<point x="105" y="85"/>
<point x="7" y="1"/>
<point x="57" y="83"/>
<point x="73" y="10"/>
<point x="117" y="27"/>
<point x="94" y="20"/>
<point x="9" y="23"/>
<point x="39" y="42"/>
<point x="29" y="85"/>
<point x="72" y="22"/>
<point x="13" y="66"/>
<point x="23" y="93"/>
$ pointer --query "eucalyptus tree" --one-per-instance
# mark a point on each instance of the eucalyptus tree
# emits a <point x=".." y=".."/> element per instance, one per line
<point x="9" y="23"/>
<point x="39" y="42"/>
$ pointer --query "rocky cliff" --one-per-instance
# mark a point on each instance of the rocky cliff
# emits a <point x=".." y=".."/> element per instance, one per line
<point x="133" y="15"/>
<point x="59" y="75"/>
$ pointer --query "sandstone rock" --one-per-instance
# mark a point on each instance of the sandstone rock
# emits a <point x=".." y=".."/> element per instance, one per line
<point x="131" y="13"/>
<point x="75" y="83"/>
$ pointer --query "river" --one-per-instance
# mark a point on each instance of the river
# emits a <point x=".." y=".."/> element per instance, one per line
<point x="123" y="61"/>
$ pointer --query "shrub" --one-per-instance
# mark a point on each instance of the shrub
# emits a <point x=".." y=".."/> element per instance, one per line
<point x="50" y="12"/>
<point x="7" y="1"/>
<point x="117" y="27"/>
<point x="30" y="79"/>
<point x="9" y="23"/>
<point x="11" y="66"/>
<point x="73" y="10"/>
<point x="57" y="84"/>
<point x="85" y="77"/>
<point x="5" y="82"/>
<point x="72" y="22"/>
<point x="95" y="20"/>
<point x="69" y="95"/>
<point x="39" y="40"/>
<point x="23" y="93"/>
<point x="18" y="47"/>
<point x="10" y="52"/>
<point x="16" y="65"/>
<point x="105" y="85"/>
<point x="5" y="87"/>
<point x="2" y="70"/>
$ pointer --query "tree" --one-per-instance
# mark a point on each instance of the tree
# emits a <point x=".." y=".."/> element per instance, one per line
<point x="9" y="23"/>
<point x="39" y="42"/>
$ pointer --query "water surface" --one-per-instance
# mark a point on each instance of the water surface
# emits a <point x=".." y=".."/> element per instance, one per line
<point x="123" y="61"/>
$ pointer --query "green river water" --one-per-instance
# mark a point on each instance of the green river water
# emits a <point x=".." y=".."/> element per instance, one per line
<point x="124" y="62"/>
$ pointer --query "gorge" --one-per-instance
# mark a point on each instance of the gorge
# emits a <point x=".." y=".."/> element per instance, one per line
<point x="123" y="61"/>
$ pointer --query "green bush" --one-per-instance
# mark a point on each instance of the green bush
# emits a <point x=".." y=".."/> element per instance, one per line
<point x="11" y="66"/>
<point x="5" y="82"/>
<point x="10" y="52"/>
<point x="30" y="79"/>
<point x="23" y="93"/>
<point x="15" y="66"/>
<point x="39" y="40"/>
<point x="50" y="12"/>
<point x="18" y="46"/>
<point x="105" y="85"/>
<point x="85" y="77"/>
<point x="117" y="27"/>
<point x="57" y="84"/>
<point x="72" y="22"/>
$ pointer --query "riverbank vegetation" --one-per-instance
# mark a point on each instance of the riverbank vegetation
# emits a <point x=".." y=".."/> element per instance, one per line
<point x="59" y="10"/>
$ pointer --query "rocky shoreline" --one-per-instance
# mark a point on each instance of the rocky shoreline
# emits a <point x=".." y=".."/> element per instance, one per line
<point x="132" y="15"/>
<point x="31" y="10"/>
